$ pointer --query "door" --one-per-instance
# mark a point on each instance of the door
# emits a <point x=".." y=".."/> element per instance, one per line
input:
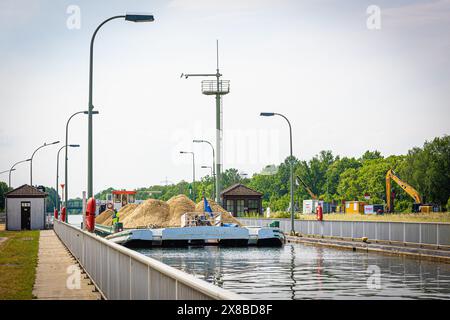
<point x="25" y="215"/>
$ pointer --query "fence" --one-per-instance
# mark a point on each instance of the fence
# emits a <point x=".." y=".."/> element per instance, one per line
<point x="121" y="273"/>
<point x="428" y="233"/>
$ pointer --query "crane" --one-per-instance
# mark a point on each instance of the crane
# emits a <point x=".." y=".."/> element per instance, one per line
<point x="307" y="188"/>
<point x="390" y="175"/>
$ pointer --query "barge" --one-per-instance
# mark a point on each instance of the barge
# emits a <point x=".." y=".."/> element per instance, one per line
<point x="199" y="230"/>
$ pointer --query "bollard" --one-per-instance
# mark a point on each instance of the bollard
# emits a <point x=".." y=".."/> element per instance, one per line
<point x="56" y="214"/>
<point x="319" y="213"/>
<point x="90" y="214"/>
<point x="63" y="214"/>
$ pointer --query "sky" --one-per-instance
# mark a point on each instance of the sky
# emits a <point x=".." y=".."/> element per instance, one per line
<point x="349" y="80"/>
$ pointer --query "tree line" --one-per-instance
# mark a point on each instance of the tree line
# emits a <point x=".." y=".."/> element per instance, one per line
<point x="332" y="178"/>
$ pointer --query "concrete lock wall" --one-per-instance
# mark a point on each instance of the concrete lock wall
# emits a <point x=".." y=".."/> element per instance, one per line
<point x="123" y="274"/>
<point x="430" y="233"/>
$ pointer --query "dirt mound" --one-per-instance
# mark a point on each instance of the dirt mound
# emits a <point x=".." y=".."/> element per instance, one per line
<point x="151" y="213"/>
<point x="127" y="210"/>
<point x="179" y="205"/>
<point x="226" y="216"/>
<point x="105" y="215"/>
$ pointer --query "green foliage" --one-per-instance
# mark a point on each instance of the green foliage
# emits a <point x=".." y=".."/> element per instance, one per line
<point x="333" y="178"/>
<point x="3" y="189"/>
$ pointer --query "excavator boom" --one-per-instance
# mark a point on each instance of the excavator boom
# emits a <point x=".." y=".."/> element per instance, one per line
<point x="390" y="175"/>
<point x="307" y="188"/>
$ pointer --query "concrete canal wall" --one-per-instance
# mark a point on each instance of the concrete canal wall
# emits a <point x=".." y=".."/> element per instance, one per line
<point x="121" y="273"/>
<point x="417" y="233"/>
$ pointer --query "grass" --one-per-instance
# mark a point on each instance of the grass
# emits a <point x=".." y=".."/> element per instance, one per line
<point x="18" y="259"/>
<point x="401" y="217"/>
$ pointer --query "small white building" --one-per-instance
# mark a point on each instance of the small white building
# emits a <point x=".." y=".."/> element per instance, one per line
<point x="25" y="208"/>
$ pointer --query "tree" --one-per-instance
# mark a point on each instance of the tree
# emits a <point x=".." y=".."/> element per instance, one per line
<point x="3" y="189"/>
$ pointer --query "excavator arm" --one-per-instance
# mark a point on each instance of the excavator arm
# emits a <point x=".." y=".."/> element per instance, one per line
<point x="307" y="188"/>
<point x="390" y="175"/>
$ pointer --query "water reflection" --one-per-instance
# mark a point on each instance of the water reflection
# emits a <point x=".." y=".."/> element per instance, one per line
<point x="309" y="272"/>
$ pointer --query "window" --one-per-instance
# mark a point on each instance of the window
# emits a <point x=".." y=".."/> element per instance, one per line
<point x="131" y="198"/>
<point x="240" y="206"/>
<point x="230" y="206"/>
<point x="117" y="198"/>
<point x="253" y="206"/>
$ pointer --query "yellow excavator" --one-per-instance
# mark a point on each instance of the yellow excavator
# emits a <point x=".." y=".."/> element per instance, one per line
<point x="307" y="188"/>
<point x="418" y="205"/>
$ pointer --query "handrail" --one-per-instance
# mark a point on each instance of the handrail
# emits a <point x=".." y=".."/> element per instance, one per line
<point x="189" y="280"/>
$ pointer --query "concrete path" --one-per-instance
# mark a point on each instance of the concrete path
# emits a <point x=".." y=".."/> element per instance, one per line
<point x="58" y="275"/>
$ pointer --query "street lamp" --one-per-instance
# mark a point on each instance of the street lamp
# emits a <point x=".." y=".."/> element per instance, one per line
<point x="66" y="192"/>
<point x="212" y="175"/>
<point x="12" y="169"/>
<point x="58" y="204"/>
<point x="271" y="114"/>
<point x="215" y="187"/>
<point x="134" y="17"/>
<point x="31" y="159"/>
<point x="193" y="172"/>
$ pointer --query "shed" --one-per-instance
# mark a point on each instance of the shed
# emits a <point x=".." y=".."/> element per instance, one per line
<point x="25" y="208"/>
<point x="354" y="207"/>
<point x="239" y="199"/>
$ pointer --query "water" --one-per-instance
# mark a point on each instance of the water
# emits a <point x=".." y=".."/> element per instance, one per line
<point x="298" y="271"/>
<point x="75" y="219"/>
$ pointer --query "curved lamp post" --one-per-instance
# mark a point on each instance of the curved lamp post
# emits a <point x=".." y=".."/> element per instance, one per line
<point x="12" y="169"/>
<point x="215" y="187"/>
<point x="128" y="17"/>
<point x="7" y="171"/>
<point x="31" y="159"/>
<point x="66" y="191"/>
<point x="193" y="172"/>
<point x="271" y="114"/>
<point x="58" y="203"/>
<point x="212" y="174"/>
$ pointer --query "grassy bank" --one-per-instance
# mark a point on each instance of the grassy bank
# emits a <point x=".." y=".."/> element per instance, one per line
<point x="401" y="217"/>
<point x="18" y="258"/>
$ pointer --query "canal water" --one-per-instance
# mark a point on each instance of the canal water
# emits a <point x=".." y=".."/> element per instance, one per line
<point x="298" y="271"/>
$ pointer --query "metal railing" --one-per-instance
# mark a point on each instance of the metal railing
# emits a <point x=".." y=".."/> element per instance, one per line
<point x="123" y="274"/>
<point x="210" y="87"/>
<point x="423" y="233"/>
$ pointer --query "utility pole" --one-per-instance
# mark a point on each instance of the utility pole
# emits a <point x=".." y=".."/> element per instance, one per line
<point x="217" y="88"/>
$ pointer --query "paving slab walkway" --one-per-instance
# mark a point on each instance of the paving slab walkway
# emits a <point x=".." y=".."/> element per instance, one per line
<point x="57" y="273"/>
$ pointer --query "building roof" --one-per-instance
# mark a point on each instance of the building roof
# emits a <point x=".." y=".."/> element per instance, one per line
<point x="26" y="191"/>
<point x="239" y="189"/>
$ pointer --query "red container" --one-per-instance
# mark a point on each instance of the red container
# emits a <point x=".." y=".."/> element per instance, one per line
<point x="56" y="214"/>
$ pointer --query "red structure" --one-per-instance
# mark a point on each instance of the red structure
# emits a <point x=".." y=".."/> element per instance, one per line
<point x="63" y="214"/>
<point x="319" y="212"/>
<point x="90" y="214"/>
<point x="56" y="214"/>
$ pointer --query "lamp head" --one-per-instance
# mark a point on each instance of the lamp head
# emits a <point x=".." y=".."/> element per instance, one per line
<point x="139" y="17"/>
<point x="267" y="114"/>
<point x="74" y="145"/>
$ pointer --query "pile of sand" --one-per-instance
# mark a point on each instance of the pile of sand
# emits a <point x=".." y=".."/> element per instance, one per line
<point x="151" y="213"/>
<point x="159" y="214"/>
<point x="179" y="205"/>
<point x="226" y="216"/>
<point x="105" y="215"/>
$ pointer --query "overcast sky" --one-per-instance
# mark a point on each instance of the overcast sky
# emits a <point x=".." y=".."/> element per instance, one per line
<point x="344" y="86"/>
